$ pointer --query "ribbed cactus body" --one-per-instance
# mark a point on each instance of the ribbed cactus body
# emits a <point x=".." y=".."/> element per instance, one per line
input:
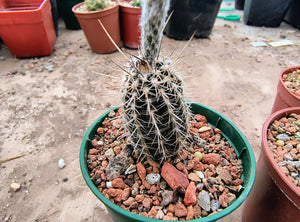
<point x="154" y="109"/>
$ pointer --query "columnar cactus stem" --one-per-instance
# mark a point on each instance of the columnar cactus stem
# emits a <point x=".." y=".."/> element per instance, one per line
<point x="152" y="22"/>
<point x="154" y="109"/>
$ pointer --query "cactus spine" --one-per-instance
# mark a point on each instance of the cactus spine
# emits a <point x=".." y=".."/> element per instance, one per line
<point x="154" y="109"/>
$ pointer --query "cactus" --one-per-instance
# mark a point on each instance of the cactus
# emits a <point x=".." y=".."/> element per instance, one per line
<point x="136" y="3"/>
<point x="95" y="5"/>
<point x="154" y="109"/>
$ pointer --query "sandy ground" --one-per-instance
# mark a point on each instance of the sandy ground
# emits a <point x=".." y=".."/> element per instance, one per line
<point x="48" y="103"/>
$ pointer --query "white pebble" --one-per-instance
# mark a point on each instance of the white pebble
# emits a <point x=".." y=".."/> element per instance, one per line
<point x="15" y="186"/>
<point x="61" y="163"/>
<point x="108" y="184"/>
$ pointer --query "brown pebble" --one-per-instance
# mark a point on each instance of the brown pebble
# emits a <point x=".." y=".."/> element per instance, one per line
<point x="224" y="174"/>
<point x="153" y="212"/>
<point x="180" y="210"/>
<point x="126" y="193"/>
<point x="152" y="189"/>
<point x="118" y="183"/>
<point x="168" y="216"/>
<point x="129" y="201"/>
<point x="100" y="130"/>
<point x="176" y="179"/>
<point x="139" y="198"/>
<point x="194" y="177"/>
<point x="141" y="170"/>
<point x="190" y="195"/>
<point x="171" y="208"/>
<point x="180" y="166"/>
<point x="184" y="154"/>
<point x="197" y="211"/>
<point x="211" y="158"/>
<point x="190" y="213"/>
<point x="190" y="165"/>
<point x="147" y="202"/>
<point x="93" y="151"/>
<point x="146" y="184"/>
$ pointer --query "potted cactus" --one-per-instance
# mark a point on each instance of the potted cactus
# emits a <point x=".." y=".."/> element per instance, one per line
<point x="130" y="20"/>
<point x="88" y="13"/>
<point x="154" y="157"/>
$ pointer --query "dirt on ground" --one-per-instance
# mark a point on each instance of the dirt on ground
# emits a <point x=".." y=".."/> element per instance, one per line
<point x="48" y="103"/>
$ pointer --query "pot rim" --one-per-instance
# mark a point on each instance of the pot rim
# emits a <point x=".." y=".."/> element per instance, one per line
<point x="105" y="10"/>
<point x="281" y="82"/>
<point x="213" y="217"/>
<point x="282" y="181"/>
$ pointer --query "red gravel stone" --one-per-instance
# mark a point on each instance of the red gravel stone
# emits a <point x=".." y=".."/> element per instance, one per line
<point x="146" y="184"/>
<point x="200" y="118"/>
<point x="93" y="151"/>
<point x="180" y="166"/>
<point x="211" y="158"/>
<point x="190" y="213"/>
<point x="194" y="177"/>
<point x="115" y="193"/>
<point x="147" y="202"/>
<point x="190" y="195"/>
<point x="171" y="208"/>
<point x="180" y="210"/>
<point x="198" y="167"/>
<point x="100" y="130"/>
<point x="106" y="123"/>
<point x="126" y="193"/>
<point x="152" y="213"/>
<point x="197" y="211"/>
<point x="152" y="189"/>
<point x="118" y="183"/>
<point x="129" y="201"/>
<point x="176" y="179"/>
<point x="139" y="198"/>
<point x="184" y="154"/>
<point x="168" y="216"/>
<point x="141" y="170"/>
<point x="190" y="165"/>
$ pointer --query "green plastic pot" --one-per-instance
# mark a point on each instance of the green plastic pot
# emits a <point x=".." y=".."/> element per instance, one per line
<point x="229" y="131"/>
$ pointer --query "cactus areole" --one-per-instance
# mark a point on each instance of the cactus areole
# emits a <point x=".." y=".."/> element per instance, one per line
<point x="154" y="109"/>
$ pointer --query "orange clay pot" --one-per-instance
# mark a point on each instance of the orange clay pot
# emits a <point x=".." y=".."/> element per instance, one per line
<point x="274" y="196"/>
<point x="94" y="33"/>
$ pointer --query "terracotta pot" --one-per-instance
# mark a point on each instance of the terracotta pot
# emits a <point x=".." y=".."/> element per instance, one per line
<point x="27" y="28"/>
<point x="274" y="196"/>
<point x="285" y="98"/>
<point x="94" y="33"/>
<point x="131" y="31"/>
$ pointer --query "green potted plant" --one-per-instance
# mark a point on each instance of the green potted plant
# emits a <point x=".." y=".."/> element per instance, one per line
<point x="130" y="23"/>
<point x="26" y="27"/>
<point x="144" y="160"/>
<point x="89" y="13"/>
<point x="276" y="191"/>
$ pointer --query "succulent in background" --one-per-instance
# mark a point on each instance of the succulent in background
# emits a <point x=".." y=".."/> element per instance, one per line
<point x="95" y="5"/>
<point x="136" y="3"/>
